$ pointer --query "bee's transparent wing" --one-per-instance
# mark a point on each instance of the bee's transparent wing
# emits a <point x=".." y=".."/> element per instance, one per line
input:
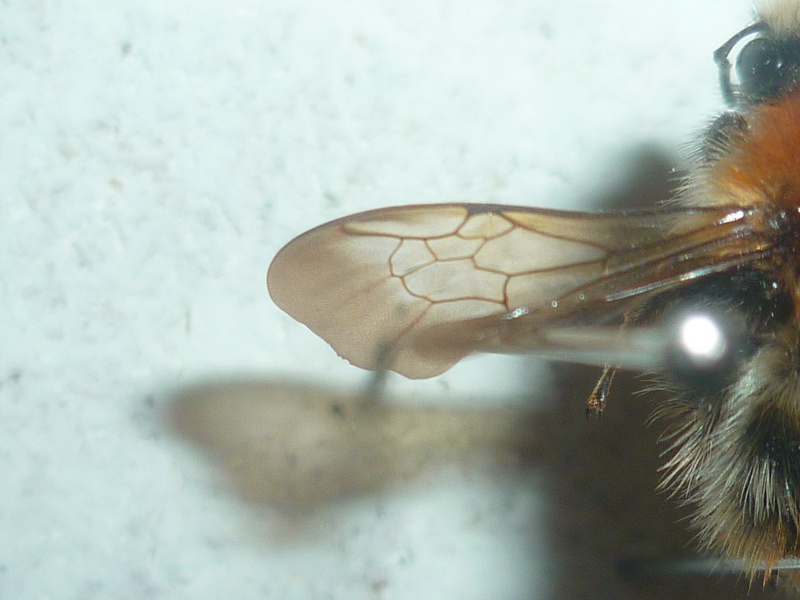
<point x="416" y="288"/>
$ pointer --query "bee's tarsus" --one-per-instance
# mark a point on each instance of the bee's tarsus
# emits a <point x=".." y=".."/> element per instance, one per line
<point x="596" y="403"/>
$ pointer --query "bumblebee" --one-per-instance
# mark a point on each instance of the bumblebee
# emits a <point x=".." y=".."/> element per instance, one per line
<point x="414" y="289"/>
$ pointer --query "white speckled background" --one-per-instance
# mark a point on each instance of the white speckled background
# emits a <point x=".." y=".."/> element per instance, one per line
<point x="153" y="158"/>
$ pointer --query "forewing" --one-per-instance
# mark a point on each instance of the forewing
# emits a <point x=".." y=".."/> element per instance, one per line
<point x="416" y="288"/>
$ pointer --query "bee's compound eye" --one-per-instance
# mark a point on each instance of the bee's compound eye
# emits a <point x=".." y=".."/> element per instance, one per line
<point x="761" y="67"/>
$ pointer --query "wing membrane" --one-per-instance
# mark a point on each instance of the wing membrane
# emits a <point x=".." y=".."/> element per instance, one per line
<point x="430" y="284"/>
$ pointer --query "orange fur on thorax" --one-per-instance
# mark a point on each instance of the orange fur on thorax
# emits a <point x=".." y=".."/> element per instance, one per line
<point x="763" y="164"/>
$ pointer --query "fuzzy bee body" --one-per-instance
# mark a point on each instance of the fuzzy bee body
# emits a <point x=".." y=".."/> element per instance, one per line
<point x="414" y="289"/>
<point x="736" y="444"/>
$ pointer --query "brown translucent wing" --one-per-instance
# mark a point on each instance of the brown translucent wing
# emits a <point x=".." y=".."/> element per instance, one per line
<point x="416" y="288"/>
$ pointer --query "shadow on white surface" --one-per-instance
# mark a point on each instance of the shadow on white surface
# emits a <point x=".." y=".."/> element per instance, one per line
<point x="296" y="448"/>
<point x="296" y="452"/>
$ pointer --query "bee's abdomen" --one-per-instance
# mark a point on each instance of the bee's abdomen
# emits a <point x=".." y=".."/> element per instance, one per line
<point x="738" y="461"/>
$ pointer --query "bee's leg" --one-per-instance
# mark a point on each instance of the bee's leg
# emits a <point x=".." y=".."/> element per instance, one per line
<point x="377" y="379"/>
<point x="654" y="569"/>
<point x="597" y="399"/>
<point x="375" y="387"/>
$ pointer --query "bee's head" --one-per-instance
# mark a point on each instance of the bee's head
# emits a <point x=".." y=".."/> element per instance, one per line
<point x="759" y="63"/>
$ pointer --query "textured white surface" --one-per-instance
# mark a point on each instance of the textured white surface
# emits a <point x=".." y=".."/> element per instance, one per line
<point x="155" y="155"/>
